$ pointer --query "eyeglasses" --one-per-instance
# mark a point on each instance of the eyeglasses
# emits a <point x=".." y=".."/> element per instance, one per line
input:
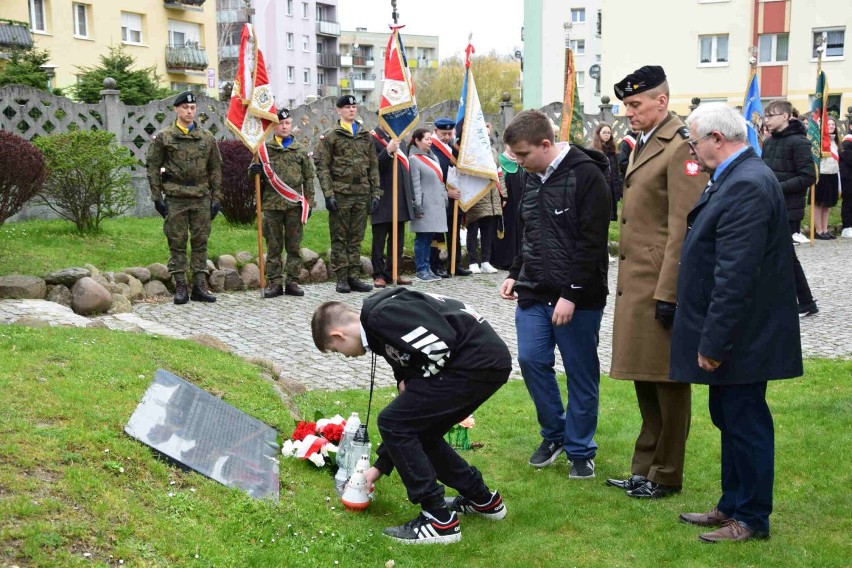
<point x="767" y="115"/>
<point x="694" y="143"/>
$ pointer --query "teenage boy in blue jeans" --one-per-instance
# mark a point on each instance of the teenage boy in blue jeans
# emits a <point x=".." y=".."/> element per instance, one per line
<point x="560" y="279"/>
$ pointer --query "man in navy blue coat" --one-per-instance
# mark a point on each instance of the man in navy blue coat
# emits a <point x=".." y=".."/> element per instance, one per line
<point x="737" y="324"/>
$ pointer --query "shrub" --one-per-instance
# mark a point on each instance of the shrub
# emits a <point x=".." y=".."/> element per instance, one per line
<point x="238" y="199"/>
<point x="21" y="173"/>
<point x="88" y="179"/>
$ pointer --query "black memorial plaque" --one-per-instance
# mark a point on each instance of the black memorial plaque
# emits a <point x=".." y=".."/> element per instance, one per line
<point x="196" y="429"/>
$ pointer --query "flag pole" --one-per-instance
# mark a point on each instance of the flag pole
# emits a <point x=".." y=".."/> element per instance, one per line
<point x="820" y="49"/>
<point x="395" y="185"/>
<point x="260" y="261"/>
<point x="455" y="229"/>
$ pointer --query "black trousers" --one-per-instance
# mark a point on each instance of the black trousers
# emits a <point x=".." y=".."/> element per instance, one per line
<point x="742" y="416"/>
<point x="434" y="259"/>
<point x="846" y="209"/>
<point x="413" y="426"/>
<point x="803" y="290"/>
<point x="487" y="227"/>
<point x="382" y="236"/>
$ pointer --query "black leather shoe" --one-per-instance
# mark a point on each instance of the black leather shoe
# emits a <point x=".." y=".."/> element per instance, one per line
<point x="357" y="286"/>
<point x="200" y="294"/>
<point x="273" y="291"/>
<point x="462" y="271"/>
<point x="181" y="293"/>
<point x="343" y="286"/>
<point x="293" y="289"/>
<point x="651" y="490"/>
<point x="629" y="484"/>
<point x="442" y="273"/>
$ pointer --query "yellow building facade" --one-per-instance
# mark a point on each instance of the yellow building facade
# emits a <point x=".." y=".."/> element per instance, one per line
<point x="178" y="38"/>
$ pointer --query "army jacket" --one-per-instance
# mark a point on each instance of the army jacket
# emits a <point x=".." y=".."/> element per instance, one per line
<point x="193" y="165"/>
<point x="293" y="165"/>
<point x="347" y="164"/>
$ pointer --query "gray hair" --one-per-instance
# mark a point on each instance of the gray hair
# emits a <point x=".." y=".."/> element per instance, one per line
<point x="721" y="118"/>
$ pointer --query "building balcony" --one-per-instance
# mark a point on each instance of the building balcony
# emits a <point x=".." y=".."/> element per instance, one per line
<point x="346" y="61"/>
<point x="186" y="59"/>
<point x="328" y="60"/>
<point x="328" y="91"/>
<point x="15" y="34"/>
<point x="363" y="85"/>
<point x="229" y="52"/>
<point x="231" y="17"/>
<point x="422" y="63"/>
<point x="361" y="61"/>
<point x="328" y="28"/>
<point x="186" y="5"/>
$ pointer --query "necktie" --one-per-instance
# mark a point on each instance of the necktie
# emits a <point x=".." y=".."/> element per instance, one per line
<point x="708" y="186"/>
<point x="640" y="145"/>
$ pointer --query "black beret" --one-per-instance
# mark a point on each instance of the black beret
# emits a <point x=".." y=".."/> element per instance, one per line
<point x="643" y="79"/>
<point x="186" y="97"/>
<point x="445" y="124"/>
<point x="346" y="100"/>
<point x="283" y="114"/>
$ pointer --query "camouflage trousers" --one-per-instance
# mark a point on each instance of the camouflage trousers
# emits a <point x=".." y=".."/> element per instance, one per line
<point x="346" y="228"/>
<point x="188" y="217"/>
<point x="283" y="228"/>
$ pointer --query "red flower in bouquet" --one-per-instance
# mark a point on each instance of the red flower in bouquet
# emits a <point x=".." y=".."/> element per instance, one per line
<point x="304" y="429"/>
<point x="332" y="432"/>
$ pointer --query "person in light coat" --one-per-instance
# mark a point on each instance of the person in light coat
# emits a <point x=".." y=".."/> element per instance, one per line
<point x="430" y="201"/>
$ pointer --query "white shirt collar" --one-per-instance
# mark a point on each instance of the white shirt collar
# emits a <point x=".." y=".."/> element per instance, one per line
<point x="564" y="147"/>
<point x="647" y="135"/>
<point x="363" y="336"/>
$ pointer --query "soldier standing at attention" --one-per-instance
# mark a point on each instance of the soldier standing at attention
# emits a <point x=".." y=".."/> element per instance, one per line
<point x="282" y="219"/>
<point x="186" y="194"/>
<point x="348" y="172"/>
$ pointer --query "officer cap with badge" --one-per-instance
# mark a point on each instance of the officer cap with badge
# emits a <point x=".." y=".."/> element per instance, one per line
<point x="445" y="124"/>
<point x="643" y="79"/>
<point x="283" y="114"/>
<point x="346" y="100"/>
<point x="186" y="97"/>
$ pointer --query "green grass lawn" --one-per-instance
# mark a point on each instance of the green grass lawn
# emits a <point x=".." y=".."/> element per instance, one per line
<point x="66" y="394"/>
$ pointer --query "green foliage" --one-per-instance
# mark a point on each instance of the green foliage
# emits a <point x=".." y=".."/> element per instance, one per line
<point x="24" y="68"/>
<point x="137" y="86"/>
<point x="88" y="179"/>
<point x="21" y="173"/>
<point x="493" y="74"/>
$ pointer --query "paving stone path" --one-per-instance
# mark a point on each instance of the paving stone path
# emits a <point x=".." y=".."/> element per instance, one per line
<point x="279" y="329"/>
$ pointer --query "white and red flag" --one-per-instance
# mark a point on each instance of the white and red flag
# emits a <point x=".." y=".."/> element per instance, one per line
<point x="398" y="106"/>
<point x="251" y="114"/>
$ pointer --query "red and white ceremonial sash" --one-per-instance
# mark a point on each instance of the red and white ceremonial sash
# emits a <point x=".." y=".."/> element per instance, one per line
<point x="400" y="155"/>
<point x="444" y="149"/>
<point x="630" y="141"/>
<point x="436" y="167"/>
<point x="279" y="186"/>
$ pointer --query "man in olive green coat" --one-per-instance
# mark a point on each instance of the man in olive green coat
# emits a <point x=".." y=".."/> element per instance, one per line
<point x="185" y="175"/>
<point x="662" y="184"/>
<point x="282" y="219"/>
<point x="348" y="172"/>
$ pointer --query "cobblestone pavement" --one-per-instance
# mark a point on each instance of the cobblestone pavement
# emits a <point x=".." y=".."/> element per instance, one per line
<point x="278" y="329"/>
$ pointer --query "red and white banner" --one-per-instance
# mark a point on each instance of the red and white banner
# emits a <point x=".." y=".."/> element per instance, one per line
<point x="279" y="186"/>
<point x="251" y="114"/>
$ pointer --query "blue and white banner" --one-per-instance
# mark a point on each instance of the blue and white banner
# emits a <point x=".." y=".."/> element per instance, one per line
<point x="753" y="113"/>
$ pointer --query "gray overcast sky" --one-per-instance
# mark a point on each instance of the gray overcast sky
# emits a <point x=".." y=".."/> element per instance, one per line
<point x="495" y="25"/>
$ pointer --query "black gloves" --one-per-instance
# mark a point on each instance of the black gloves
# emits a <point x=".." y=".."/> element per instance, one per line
<point x="161" y="207"/>
<point x="665" y="313"/>
<point x="331" y="204"/>
<point x="214" y="209"/>
<point x="374" y="205"/>
<point x="256" y="169"/>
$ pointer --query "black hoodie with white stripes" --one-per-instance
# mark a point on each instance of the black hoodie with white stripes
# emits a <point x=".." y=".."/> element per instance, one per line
<point x="421" y="335"/>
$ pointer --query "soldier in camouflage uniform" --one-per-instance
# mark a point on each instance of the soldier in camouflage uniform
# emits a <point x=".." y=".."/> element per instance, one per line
<point x="186" y="194"/>
<point x="282" y="219"/>
<point x="348" y="172"/>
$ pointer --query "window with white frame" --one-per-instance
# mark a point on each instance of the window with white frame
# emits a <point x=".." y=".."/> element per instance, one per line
<point x="320" y="13"/>
<point x="289" y="40"/>
<point x="81" y="20"/>
<point x="306" y="75"/>
<point x="578" y="15"/>
<point x="289" y="7"/>
<point x="131" y="27"/>
<point x="37" y="19"/>
<point x="306" y="40"/>
<point x="713" y="49"/>
<point x="835" y="38"/>
<point x="183" y="33"/>
<point x="773" y="48"/>
<point x="291" y="74"/>
<point x="304" y="10"/>
<point x="581" y="79"/>
<point x="578" y="46"/>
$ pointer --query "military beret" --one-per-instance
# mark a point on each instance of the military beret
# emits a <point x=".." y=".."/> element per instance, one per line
<point x="643" y="79"/>
<point x="346" y="100"/>
<point x="445" y="124"/>
<point x="283" y="114"/>
<point x="186" y="97"/>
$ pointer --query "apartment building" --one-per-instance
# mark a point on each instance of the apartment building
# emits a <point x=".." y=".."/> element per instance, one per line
<point x="362" y="61"/>
<point x="170" y="35"/>
<point x="706" y="46"/>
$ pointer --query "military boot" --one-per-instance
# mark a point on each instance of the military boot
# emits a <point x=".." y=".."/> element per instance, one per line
<point x="343" y="285"/>
<point x="273" y="290"/>
<point x="358" y="285"/>
<point x="181" y="291"/>
<point x="199" y="290"/>
<point x="293" y="289"/>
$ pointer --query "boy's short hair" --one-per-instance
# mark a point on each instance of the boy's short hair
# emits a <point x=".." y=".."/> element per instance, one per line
<point x="326" y="316"/>
<point x="530" y="126"/>
<point x="781" y="106"/>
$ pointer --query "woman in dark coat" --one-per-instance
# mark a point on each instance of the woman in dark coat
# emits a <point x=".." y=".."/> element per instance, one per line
<point x="602" y="142"/>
